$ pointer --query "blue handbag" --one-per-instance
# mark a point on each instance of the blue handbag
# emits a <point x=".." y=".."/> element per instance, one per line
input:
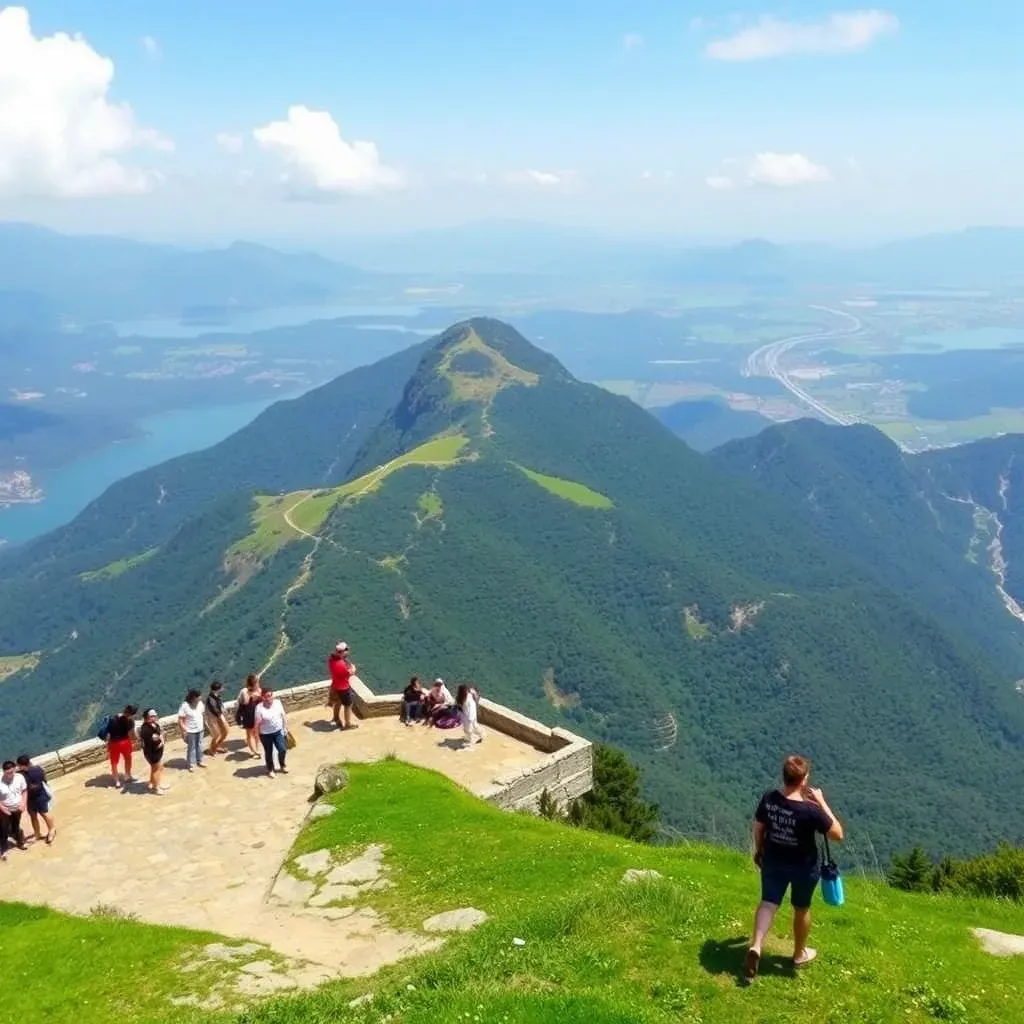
<point x="831" y="881"/>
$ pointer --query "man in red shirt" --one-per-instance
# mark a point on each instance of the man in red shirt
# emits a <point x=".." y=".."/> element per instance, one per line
<point x="341" y="670"/>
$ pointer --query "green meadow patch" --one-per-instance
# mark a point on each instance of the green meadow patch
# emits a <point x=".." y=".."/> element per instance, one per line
<point x="115" y="569"/>
<point x="569" y="490"/>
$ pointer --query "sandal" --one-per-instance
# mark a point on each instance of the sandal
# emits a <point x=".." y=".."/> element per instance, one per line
<point x="50" y="836"/>
<point x="808" y="956"/>
<point x="750" y="964"/>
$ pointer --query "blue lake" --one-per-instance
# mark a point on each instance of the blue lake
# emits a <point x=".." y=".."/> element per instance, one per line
<point x="256" y="320"/>
<point x="69" y="490"/>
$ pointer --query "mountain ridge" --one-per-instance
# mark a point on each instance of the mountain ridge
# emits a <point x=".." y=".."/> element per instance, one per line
<point x="560" y="540"/>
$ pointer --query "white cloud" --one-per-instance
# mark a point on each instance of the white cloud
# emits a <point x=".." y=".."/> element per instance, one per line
<point x="841" y="32"/>
<point x="229" y="143"/>
<point x="59" y="133"/>
<point x="532" y="178"/>
<point x="632" y="41"/>
<point x="781" y="170"/>
<point x="151" y="46"/>
<point x="318" y="161"/>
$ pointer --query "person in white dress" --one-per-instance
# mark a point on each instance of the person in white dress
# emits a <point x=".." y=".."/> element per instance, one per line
<point x="467" y="700"/>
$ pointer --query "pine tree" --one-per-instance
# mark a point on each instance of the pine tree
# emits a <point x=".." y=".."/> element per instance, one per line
<point x="912" y="871"/>
<point x="614" y="804"/>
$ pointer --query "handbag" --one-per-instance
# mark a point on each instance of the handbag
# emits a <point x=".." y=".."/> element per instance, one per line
<point x="289" y="740"/>
<point x="831" y="881"/>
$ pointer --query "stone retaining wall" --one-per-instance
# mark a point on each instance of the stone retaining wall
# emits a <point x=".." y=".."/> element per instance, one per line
<point x="565" y="772"/>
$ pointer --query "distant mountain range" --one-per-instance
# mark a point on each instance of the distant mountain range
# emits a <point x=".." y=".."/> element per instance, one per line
<point x="44" y="274"/>
<point x="468" y="508"/>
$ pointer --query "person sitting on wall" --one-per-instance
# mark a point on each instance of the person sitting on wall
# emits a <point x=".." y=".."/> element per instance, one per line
<point x="412" y="702"/>
<point x="437" y="701"/>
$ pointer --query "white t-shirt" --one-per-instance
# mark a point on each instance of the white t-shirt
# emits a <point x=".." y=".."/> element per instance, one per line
<point x="193" y="716"/>
<point x="270" y="719"/>
<point x="10" y="792"/>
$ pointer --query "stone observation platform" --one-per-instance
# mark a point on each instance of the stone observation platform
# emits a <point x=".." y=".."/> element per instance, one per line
<point x="206" y="854"/>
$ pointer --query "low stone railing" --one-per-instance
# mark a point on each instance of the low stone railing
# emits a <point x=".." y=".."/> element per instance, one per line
<point x="566" y="770"/>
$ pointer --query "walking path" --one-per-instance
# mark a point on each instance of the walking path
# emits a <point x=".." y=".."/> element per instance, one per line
<point x="205" y="854"/>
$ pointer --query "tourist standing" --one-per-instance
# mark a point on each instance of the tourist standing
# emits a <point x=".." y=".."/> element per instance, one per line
<point x="245" y="714"/>
<point x="13" y="800"/>
<point x="215" y="720"/>
<point x="466" y="701"/>
<point x="272" y="723"/>
<point x="120" y="732"/>
<point x="786" y="826"/>
<point x="341" y="669"/>
<point x="190" y="721"/>
<point x="38" y="798"/>
<point x="153" y="750"/>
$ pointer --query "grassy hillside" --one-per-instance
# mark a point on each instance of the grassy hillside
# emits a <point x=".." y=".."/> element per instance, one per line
<point x="589" y="949"/>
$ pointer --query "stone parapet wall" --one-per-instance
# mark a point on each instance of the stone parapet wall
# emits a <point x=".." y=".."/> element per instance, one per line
<point x="566" y="771"/>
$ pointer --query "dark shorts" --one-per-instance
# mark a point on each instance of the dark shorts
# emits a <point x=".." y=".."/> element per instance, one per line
<point x="801" y="882"/>
<point x="153" y="757"/>
<point x="341" y="698"/>
<point x="38" y="803"/>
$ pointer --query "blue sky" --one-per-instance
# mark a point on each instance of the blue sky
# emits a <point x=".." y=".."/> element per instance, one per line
<point x="802" y="120"/>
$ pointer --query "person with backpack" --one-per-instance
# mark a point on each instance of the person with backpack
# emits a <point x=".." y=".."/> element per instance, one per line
<point x="786" y="826"/>
<point x="119" y="734"/>
<point x="39" y="797"/>
<point x="191" y="717"/>
<point x="216" y="721"/>
<point x="341" y="669"/>
<point x="13" y="801"/>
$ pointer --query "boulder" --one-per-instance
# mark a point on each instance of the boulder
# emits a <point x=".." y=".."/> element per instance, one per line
<point x="634" y="875"/>
<point x="462" y="920"/>
<point x="329" y="779"/>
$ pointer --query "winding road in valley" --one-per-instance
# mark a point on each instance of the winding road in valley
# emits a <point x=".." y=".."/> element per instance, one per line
<point x="766" y="362"/>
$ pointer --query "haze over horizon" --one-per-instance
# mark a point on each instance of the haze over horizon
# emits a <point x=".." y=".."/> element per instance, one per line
<point x="809" y="122"/>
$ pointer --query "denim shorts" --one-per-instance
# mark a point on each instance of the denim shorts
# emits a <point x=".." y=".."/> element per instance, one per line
<point x="799" y="879"/>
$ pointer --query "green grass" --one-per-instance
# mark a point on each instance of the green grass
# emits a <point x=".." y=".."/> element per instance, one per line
<point x="309" y="510"/>
<point x="600" y="952"/>
<point x="578" y="494"/>
<point x="73" y="970"/>
<point x="122" y="565"/>
<point x="482" y="387"/>
<point x="12" y="664"/>
<point x="594" y="951"/>
<point x="430" y="505"/>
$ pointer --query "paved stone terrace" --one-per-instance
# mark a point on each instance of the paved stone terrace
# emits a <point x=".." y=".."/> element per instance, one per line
<point x="205" y="854"/>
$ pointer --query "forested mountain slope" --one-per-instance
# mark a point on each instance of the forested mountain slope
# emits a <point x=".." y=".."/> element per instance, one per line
<point x="508" y="523"/>
<point x="902" y="515"/>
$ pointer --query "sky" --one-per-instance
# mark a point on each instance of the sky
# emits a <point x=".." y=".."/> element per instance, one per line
<point x="202" y="122"/>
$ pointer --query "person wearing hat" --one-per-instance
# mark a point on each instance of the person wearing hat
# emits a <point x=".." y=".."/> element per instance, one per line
<point x="341" y="670"/>
<point x="152" y="739"/>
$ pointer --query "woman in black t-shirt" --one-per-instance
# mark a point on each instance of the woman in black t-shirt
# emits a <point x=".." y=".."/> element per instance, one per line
<point x="153" y="750"/>
<point x="786" y="826"/>
<point x="215" y="720"/>
<point x="121" y="742"/>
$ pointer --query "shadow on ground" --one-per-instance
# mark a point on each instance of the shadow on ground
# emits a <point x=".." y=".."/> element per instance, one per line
<point x="725" y="956"/>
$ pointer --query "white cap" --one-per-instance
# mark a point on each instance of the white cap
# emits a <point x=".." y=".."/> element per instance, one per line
<point x="439" y="681"/>
<point x="341" y="647"/>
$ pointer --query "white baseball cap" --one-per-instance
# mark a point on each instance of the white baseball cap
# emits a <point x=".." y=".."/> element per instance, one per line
<point x="341" y="646"/>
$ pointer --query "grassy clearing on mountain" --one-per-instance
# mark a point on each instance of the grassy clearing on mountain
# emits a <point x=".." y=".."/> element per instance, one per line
<point x="66" y="970"/>
<point x="598" y="951"/>
<point x="122" y="565"/>
<point x="308" y="510"/>
<point x="430" y="505"/>
<point x="578" y="494"/>
<point x="481" y="383"/>
<point x="12" y="664"/>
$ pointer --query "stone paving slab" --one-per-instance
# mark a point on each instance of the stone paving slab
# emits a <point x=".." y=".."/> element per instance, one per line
<point x="205" y="854"/>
